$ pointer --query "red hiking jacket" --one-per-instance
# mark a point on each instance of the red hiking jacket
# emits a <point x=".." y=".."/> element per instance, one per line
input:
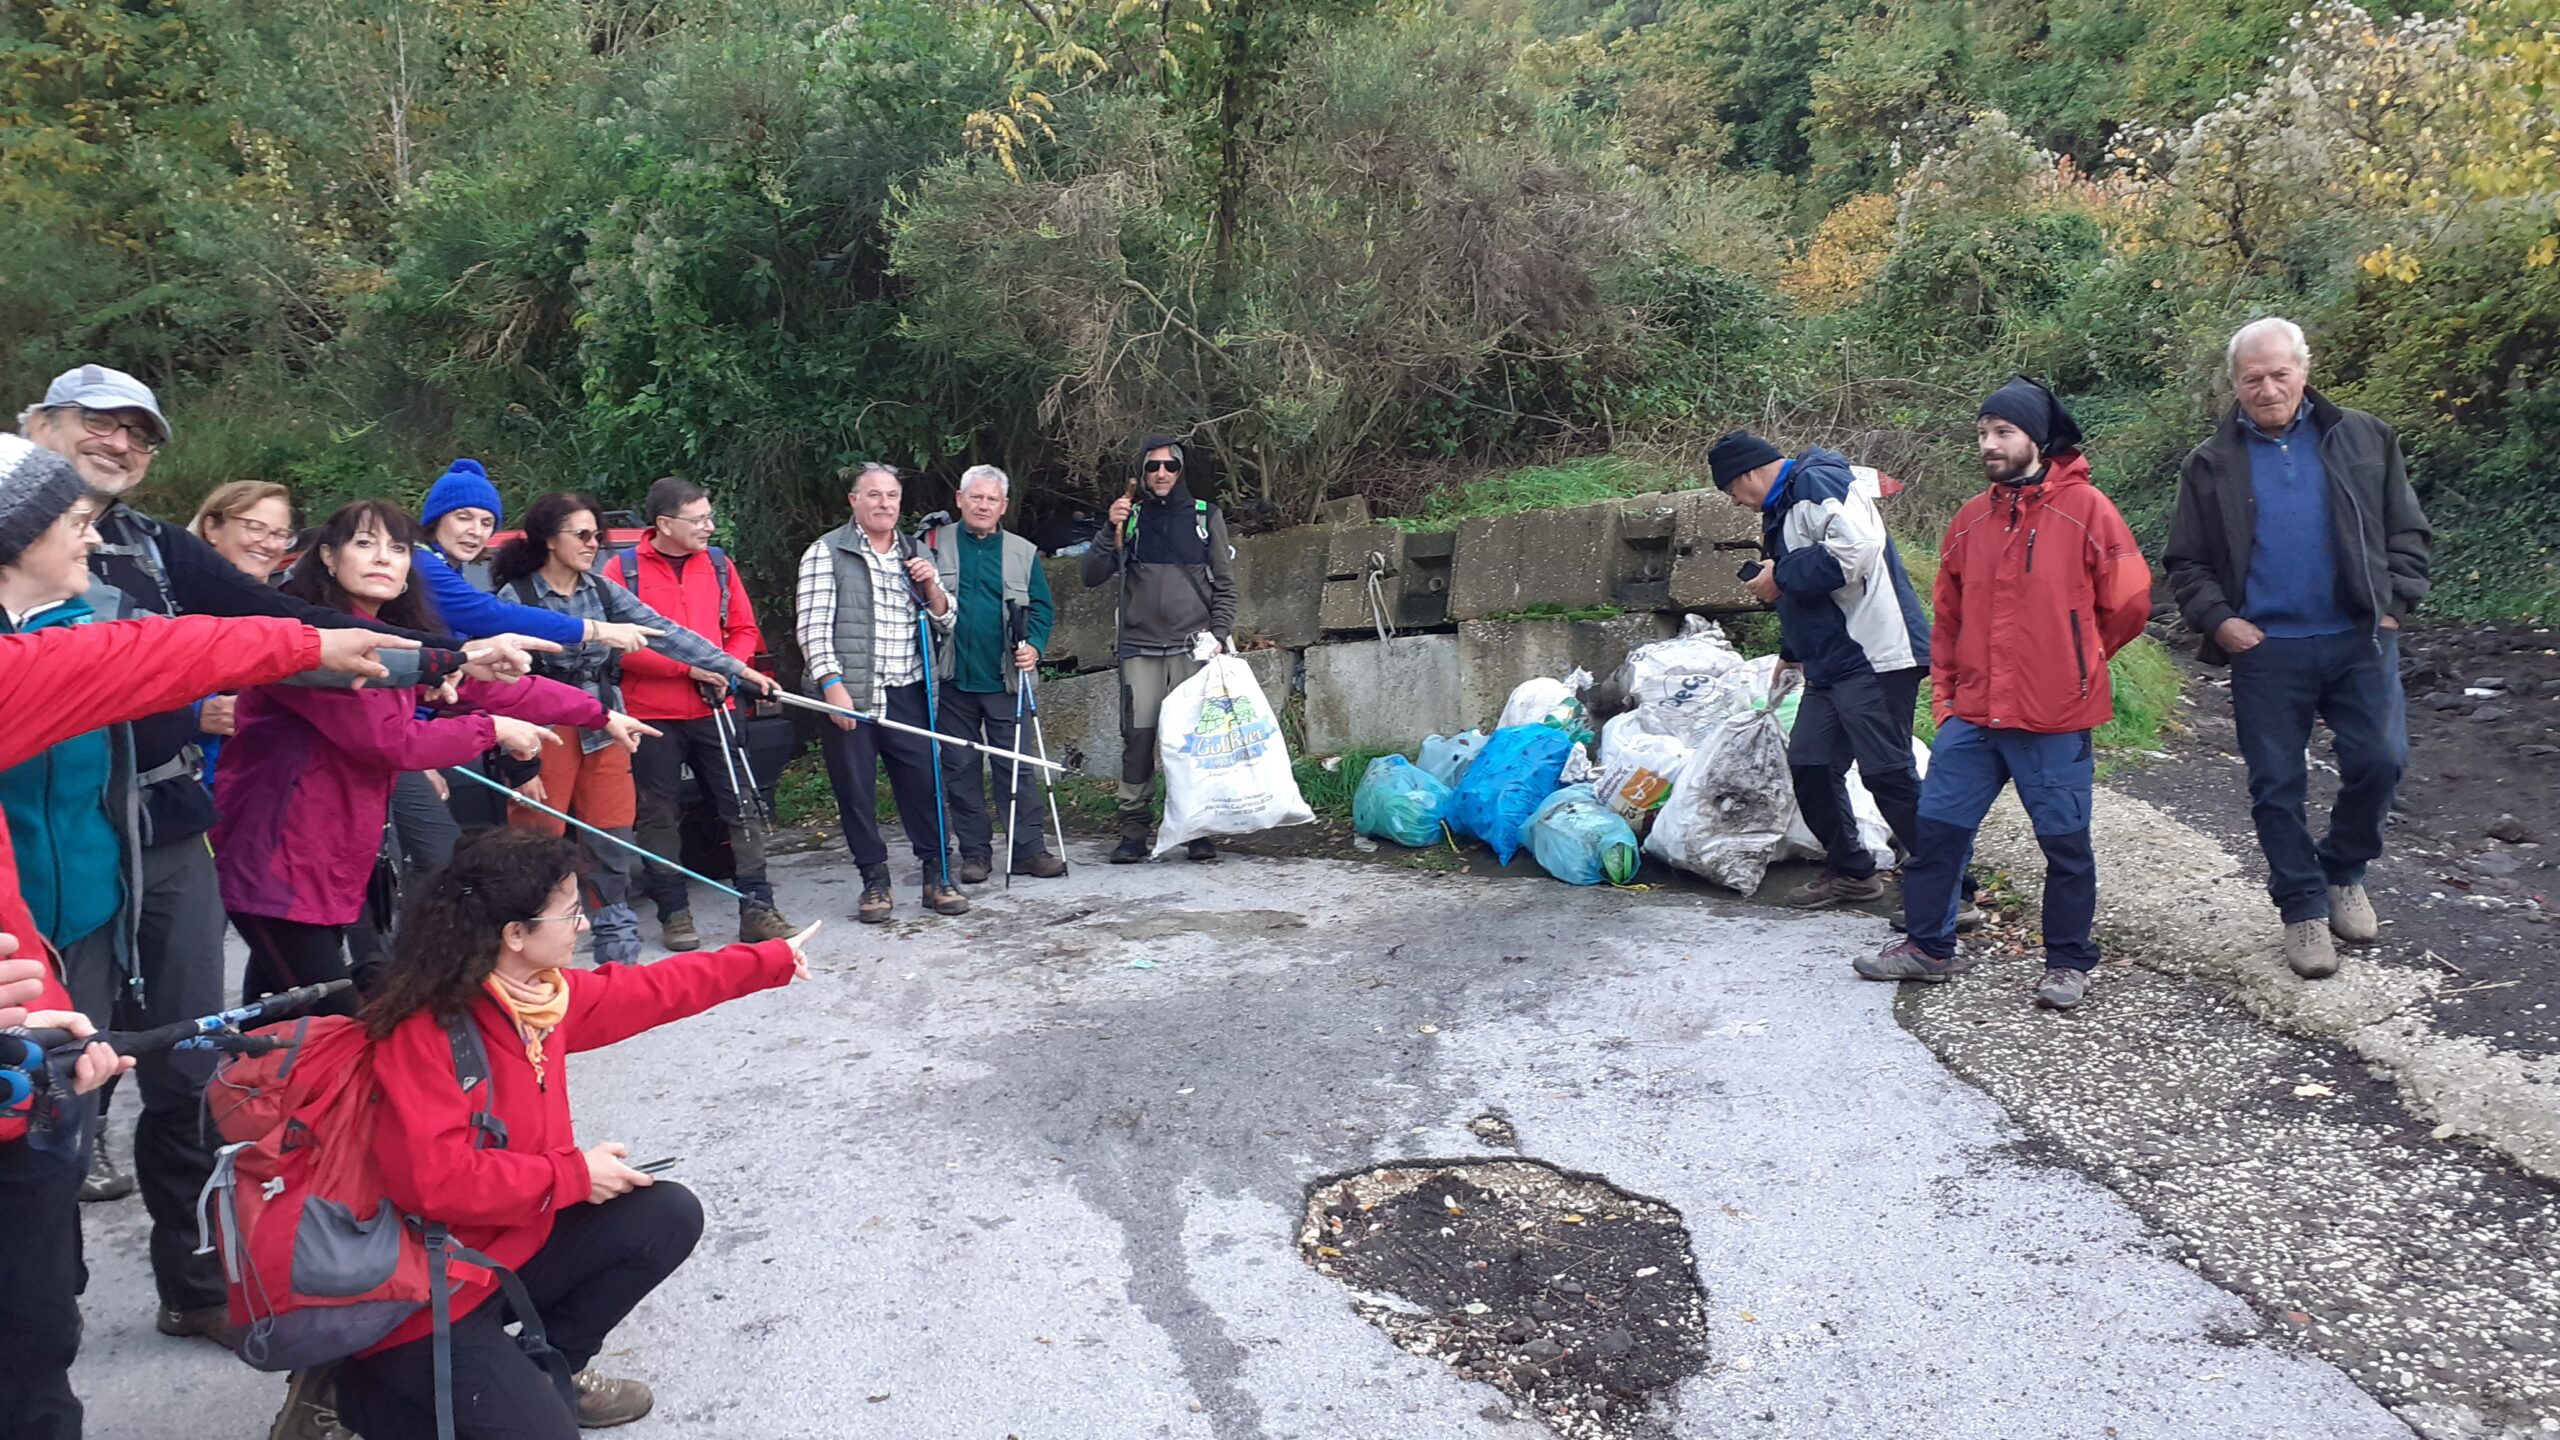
<point x="58" y="683"/>
<point x="2037" y="586"/>
<point x="501" y="1202"/>
<point x="653" y="686"/>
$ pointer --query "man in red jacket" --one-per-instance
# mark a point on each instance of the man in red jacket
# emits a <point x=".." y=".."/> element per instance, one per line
<point x="678" y="572"/>
<point x="55" y="684"/>
<point x="2039" y="582"/>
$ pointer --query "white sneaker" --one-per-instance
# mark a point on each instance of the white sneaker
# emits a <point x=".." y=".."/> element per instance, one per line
<point x="2351" y="915"/>
<point x="2308" y="949"/>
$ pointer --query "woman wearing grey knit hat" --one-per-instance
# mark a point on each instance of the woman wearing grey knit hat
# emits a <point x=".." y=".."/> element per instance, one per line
<point x="42" y="547"/>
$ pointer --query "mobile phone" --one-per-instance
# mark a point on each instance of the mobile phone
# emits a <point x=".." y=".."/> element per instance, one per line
<point x="652" y="1167"/>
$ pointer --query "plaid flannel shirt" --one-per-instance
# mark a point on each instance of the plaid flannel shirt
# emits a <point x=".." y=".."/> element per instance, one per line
<point x="896" y="658"/>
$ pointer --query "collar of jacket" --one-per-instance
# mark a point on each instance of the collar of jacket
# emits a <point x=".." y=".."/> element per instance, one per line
<point x="46" y="617"/>
<point x="2234" y="429"/>
<point x="2059" y="473"/>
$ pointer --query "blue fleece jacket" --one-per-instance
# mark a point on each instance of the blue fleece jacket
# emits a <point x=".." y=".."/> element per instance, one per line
<point x="473" y="614"/>
<point x="70" y="858"/>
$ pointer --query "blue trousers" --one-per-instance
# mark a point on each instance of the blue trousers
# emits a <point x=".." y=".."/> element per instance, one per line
<point x="2053" y="774"/>
<point x="2352" y="682"/>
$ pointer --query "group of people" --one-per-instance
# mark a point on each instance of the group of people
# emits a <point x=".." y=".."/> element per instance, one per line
<point x="2296" y="547"/>
<point x="266" y="739"/>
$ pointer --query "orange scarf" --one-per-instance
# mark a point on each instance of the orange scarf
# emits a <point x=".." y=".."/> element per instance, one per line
<point x="536" y="1006"/>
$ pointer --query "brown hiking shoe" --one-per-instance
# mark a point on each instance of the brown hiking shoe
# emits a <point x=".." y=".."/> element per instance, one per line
<point x="1040" y="866"/>
<point x="1829" y="888"/>
<point x="604" y="1402"/>
<point x="310" y="1407"/>
<point x="876" y="901"/>
<point x="676" y="932"/>
<point x="211" y="1322"/>
<point x="945" y="899"/>
<point x="762" y="922"/>
<point x="2309" y="950"/>
<point x="974" y="869"/>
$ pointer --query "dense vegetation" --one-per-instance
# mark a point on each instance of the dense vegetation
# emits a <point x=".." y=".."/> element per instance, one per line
<point x="1343" y="244"/>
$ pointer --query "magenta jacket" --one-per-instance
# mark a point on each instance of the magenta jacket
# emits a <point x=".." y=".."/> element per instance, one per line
<point x="306" y="783"/>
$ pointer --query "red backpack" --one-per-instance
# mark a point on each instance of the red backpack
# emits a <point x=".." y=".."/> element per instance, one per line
<point x="317" y="1262"/>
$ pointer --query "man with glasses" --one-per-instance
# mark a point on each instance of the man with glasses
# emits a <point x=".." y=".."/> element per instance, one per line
<point x="1177" y="605"/>
<point x="109" y="426"/>
<point x="862" y="585"/>
<point x="679" y="573"/>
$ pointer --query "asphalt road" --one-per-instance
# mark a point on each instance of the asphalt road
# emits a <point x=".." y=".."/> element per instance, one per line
<point x="1037" y="1172"/>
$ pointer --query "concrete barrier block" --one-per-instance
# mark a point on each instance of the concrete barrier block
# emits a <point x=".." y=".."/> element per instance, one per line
<point x="1280" y="586"/>
<point x="1712" y="539"/>
<point x="1495" y="656"/>
<point x="1382" y="694"/>
<point x="1081" y="636"/>
<point x="1563" y="559"/>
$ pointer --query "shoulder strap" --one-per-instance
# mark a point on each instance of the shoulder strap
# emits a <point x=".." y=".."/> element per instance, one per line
<point x="471" y="1067"/>
<point x="521" y="590"/>
<point x="1200" y="519"/>
<point x="624" y="568"/>
<point x="720" y="573"/>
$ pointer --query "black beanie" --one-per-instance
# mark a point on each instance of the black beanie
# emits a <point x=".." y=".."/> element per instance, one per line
<point x="1737" y="453"/>
<point x="2034" y="409"/>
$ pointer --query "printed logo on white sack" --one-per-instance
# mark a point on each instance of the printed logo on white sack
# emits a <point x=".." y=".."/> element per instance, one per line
<point x="1232" y="730"/>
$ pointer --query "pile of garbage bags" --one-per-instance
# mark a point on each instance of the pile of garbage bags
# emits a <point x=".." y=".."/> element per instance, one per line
<point x="1694" y="773"/>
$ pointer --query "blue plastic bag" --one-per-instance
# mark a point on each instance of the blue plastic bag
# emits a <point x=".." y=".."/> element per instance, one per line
<point x="1519" y="767"/>
<point x="1445" y="758"/>
<point x="1581" y="841"/>
<point x="1398" y="801"/>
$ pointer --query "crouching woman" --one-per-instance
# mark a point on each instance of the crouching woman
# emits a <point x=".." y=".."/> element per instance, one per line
<point x="491" y="936"/>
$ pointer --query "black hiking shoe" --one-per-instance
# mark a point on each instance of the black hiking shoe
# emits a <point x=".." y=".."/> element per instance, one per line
<point x="1204" y="852"/>
<point x="1132" y="850"/>
<point x="876" y="903"/>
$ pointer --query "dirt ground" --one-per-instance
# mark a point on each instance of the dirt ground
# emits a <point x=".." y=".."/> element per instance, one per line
<point x="2471" y="870"/>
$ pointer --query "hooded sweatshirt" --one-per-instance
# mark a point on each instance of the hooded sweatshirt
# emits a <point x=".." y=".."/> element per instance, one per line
<point x="1176" y="569"/>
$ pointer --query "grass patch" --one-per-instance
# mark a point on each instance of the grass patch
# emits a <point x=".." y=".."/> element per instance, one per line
<point x="1583" y="481"/>
<point x="1329" y="792"/>
<point x="1561" y="612"/>
<point x="802" y="796"/>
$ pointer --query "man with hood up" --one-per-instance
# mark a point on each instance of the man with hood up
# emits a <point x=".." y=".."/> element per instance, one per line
<point x="2039" y="583"/>
<point x="1177" y="607"/>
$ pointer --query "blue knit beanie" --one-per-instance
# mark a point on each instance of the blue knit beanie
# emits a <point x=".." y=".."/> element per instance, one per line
<point x="463" y="484"/>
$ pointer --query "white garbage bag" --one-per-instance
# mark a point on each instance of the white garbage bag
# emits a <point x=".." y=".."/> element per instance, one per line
<point x="1543" y="700"/>
<point x="1637" y="768"/>
<point x="1578" y="766"/>
<point x="1728" y="811"/>
<point x="1659" y="672"/>
<point x="1226" y="769"/>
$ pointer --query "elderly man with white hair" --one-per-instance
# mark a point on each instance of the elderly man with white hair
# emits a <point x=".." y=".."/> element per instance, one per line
<point x="1003" y="625"/>
<point x="2295" y="549"/>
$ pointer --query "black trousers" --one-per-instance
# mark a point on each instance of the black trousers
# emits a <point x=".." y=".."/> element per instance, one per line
<point x="854" y="758"/>
<point x="599" y="1264"/>
<point x="658" y="782"/>
<point x="287" y="953"/>
<point x="987" y="718"/>
<point x="41" y="1277"/>
<point x="1866" y="719"/>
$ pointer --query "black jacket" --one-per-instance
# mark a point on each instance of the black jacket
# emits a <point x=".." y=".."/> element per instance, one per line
<point x="2382" y="537"/>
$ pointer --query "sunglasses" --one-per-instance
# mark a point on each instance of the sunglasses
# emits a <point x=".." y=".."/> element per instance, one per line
<point x="583" y="537"/>
<point x="1169" y="467"/>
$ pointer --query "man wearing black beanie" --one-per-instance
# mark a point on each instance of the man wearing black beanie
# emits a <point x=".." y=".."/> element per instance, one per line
<point x="1847" y="614"/>
<point x="2047" y="555"/>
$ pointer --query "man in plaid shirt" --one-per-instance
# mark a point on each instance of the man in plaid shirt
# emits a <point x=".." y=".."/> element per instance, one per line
<point x="860" y="585"/>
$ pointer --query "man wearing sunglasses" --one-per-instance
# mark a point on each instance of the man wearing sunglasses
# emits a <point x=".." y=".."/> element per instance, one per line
<point x="1177" y="606"/>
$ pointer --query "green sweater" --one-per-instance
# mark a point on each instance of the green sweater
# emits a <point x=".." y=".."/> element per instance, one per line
<point x="977" y="654"/>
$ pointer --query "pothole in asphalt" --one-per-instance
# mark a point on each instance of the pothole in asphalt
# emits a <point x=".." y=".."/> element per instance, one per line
<point x="1577" y="1300"/>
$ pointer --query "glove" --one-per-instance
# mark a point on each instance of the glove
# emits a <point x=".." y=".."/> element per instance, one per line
<point x="1204" y="647"/>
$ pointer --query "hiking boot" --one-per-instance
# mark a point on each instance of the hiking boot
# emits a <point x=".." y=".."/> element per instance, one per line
<point x="1132" y="850"/>
<point x="1903" y="960"/>
<point x="1829" y="888"/>
<point x="2062" y="988"/>
<point x="105" y="1181"/>
<point x="2309" y="950"/>
<point x="945" y="899"/>
<point x="211" y="1322"/>
<point x="604" y="1402"/>
<point x="876" y="900"/>
<point x="310" y="1407"/>
<point x="1040" y="865"/>
<point x="1204" y="851"/>
<point x="760" y="921"/>
<point x="2351" y="915"/>
<point x="974" y="869"/>
<point x="1969" y="917"/>
<point x="676" y="932"/>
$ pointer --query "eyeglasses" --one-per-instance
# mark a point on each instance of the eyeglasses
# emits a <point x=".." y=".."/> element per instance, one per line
<point x="577" y="912"/>
<point x="703" y="521"/>
<point x="583" y="537"/>
<point x="142" y="435"/>
<point x="260" y="533"/>
<point x="1169" y="467"/>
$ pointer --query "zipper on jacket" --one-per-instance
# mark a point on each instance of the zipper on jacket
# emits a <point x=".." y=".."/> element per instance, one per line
<point x="2364" y="562"/>
<point x="2031" y="549"/>
<point x="2080" y="654"/>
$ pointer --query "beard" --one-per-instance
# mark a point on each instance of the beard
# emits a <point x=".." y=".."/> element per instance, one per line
<point x="2001" y="470"/>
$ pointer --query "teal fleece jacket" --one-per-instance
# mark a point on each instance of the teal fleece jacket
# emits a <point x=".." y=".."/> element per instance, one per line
<point x="70" y="855"/>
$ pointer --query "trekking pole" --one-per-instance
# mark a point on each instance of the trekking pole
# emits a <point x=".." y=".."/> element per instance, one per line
<point x="933" y="727"/>
<point x="650" y="856"/>
<point x="822" y="707"/>
<point x="1015" y="621"/>
<point x="1048" y="783"/>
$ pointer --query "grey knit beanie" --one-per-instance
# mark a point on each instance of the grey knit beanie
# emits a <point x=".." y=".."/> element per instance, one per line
<point x="36" y="486"/>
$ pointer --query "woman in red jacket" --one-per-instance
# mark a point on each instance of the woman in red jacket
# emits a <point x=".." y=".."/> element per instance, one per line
<point x="307" y="775"/>
<point x="491" y="937"/>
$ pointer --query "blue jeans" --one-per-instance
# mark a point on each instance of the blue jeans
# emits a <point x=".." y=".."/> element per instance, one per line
<point x="2352" y="682"/>
<point x="2053" y="774"/>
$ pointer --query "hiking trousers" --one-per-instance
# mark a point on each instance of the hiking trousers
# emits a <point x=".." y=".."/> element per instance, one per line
<point x="987" y="717"/>
<point x="594" y="786"/>
<point x="2053" y="775"/>
<point x="1145" y="681"/>
<point x="600" y="1262"/>
<point x="2279" y="687"/>
<point x="658" y="784"/>
<point x="42" y="1275"/>
<point x="1865" y="720"/>
<point x="855" y="758"/>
